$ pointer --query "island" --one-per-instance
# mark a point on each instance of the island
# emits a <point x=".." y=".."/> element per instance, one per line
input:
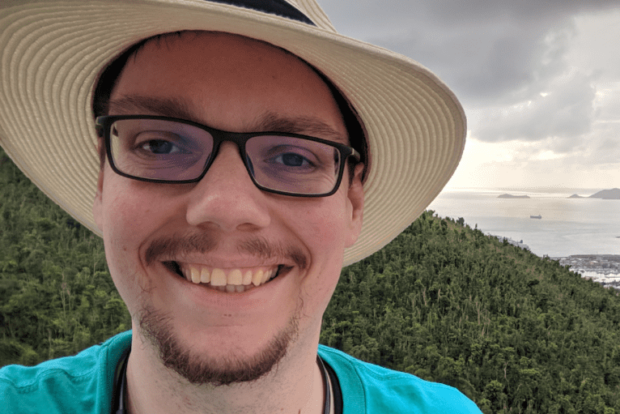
<point x="613" y="194"/>
<point x="512" y="196"/>
<point x="576" y="196"/>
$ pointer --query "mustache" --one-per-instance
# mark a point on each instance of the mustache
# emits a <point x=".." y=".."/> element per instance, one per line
<point x="203" y="243"/>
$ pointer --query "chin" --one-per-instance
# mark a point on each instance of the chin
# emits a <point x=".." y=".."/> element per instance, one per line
<point x="200" y="367"/>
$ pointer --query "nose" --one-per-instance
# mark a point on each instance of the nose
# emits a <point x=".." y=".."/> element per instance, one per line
<point x="226" y="197"/>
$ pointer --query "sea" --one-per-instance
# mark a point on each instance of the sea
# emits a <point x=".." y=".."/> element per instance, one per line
<point x="568" y="226"/>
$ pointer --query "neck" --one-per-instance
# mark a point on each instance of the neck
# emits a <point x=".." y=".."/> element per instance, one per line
<point x="294" y="386"/>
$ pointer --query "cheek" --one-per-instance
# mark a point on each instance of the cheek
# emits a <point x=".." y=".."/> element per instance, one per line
<point x="119" y="232"/>
<point x="132" y="211"/>
<point x="128" y="221"/>
<point x="122" y="220"/>
<point x="323" y="231"/>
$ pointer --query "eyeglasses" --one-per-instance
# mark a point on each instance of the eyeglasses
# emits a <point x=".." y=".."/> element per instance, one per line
<point x="169" y="150"/>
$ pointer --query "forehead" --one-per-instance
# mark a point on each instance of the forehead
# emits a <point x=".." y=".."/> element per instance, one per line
<point x="228" y="82"/>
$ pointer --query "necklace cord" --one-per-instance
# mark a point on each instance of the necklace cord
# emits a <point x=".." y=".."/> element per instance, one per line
<point x="327" y="388"/>
<point x="120" y="380"/>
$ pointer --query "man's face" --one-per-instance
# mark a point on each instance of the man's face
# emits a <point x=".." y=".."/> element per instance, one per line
<point x="154" y="234"/>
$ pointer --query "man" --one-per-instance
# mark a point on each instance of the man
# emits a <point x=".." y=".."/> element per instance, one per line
<point x="240" y="144"/>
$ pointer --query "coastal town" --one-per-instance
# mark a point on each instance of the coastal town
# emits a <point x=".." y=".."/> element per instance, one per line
<point x="603" y="268"/>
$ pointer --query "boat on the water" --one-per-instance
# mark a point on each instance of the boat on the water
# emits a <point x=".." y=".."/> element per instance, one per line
<point x="536" y="217"/>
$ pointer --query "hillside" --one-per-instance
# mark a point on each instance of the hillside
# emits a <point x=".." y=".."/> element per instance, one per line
<point x="56" y="294"/>
<point x="514" y="332"/>
<point x="506" y="327"/>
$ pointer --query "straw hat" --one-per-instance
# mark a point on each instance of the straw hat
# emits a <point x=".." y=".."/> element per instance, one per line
<point x="52" y="52"/>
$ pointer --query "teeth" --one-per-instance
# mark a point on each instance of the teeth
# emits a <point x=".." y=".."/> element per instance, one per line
<point x="205" y="276"/>
<point x="266" y="276"/>
<point x="247" y="277"/>
<point x="235" y="277"/>
<point x="233" y="280"/>
<point x="195" y="274"/>
<point x="257" y="279"/>
<point x="218" y="278"/>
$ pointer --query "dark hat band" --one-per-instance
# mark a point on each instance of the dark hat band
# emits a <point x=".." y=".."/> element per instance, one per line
<point x="278" y="7"/>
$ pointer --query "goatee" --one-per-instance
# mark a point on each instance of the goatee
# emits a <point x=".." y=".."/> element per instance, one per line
<point x="158" y="329"/>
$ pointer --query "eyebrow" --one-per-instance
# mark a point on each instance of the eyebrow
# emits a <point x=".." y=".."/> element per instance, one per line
<point x="142" y="105"/>
<point x="304" y="125"/>
<point x="267" y="122"/>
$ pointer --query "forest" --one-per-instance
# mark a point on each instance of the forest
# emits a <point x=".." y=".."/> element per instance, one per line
<point x="515" y="332"/>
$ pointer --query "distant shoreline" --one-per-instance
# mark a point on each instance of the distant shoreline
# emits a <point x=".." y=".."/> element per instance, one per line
<point x="536" y="192"/>
<point x="506" y="195"/>
<point x="613" y="257"/>
<point x="611" y="194"/>
<point x="600" y="268"/>
<point x="568" y="227"/>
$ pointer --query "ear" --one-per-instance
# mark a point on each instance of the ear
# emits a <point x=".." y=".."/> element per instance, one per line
<point x="98" y="201"/>
<point x="356" y="206"/>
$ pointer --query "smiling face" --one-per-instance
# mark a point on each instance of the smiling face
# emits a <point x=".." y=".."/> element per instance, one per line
<point x="229" y="276"/>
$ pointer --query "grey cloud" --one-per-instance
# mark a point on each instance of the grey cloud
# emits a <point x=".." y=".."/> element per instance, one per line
<point x="609" y="106"/>
<point x="489" y="52"/>
<point x="497" y="55"/>
<point x="453" y="10"/>
<point x="604" y="145"/>
<point x="567" y="112"/>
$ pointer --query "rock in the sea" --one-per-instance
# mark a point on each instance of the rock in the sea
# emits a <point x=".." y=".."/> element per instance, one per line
<point x="613" y="194"/>
<point x="512" y="196"/>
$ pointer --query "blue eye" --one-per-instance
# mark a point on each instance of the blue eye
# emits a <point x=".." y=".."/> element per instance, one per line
<point x="161" y="143"/>
<point x="160" y="147"/>
<point x="292" y="160"/>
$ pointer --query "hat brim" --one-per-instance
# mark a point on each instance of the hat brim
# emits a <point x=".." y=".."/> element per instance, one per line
<point x="51" y="54"/>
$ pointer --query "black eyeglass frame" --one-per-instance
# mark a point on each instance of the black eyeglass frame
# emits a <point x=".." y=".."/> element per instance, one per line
<point x="103" y="126"/>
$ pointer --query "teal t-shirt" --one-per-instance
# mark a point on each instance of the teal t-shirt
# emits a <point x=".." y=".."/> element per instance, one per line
<point x="371" y="389"/>
<point x="83" y="384"/>
<point x="77" y="384"/>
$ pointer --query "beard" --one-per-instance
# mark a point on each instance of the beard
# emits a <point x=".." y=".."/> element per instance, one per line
<point x="199" y="369"/>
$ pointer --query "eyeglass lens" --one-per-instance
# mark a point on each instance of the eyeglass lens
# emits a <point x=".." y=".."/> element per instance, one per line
<point x="174" y="151"/>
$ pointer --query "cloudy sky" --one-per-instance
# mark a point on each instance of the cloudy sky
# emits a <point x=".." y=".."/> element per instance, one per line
<point x="539" y="81"/>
